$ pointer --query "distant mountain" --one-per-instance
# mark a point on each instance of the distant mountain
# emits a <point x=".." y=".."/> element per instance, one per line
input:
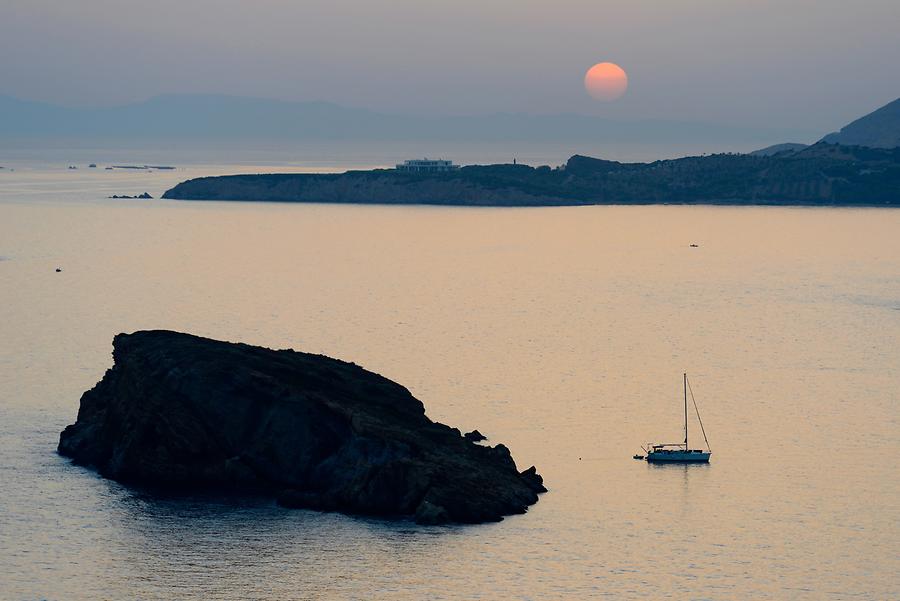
<point x="878" y="129"/>
<point x="778" y="148"/>
<point x="190" y="116"/>
<point x="217" y="117"/>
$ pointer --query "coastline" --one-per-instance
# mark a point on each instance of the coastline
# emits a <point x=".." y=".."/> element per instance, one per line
<point x="821" y="175"/>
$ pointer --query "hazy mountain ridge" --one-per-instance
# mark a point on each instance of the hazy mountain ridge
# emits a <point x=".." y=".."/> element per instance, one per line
<point x="227" y="117"/>
<point x="878" y="129"/>
<point x="779" y="148"/>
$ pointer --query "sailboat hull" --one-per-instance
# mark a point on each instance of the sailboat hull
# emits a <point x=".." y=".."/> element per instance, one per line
<point x="678" y="457"/>
<point x="680" y="452"/>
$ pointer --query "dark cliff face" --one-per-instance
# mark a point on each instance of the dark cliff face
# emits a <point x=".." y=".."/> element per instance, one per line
<point x="184" y="412"/>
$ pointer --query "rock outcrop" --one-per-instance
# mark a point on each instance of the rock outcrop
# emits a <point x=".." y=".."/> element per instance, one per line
<point x="474" y="436"/>
<point x="144" y="196"/>
<point x="183" y="412"/>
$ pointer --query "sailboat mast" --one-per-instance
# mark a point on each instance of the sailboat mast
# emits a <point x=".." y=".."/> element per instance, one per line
<point x="685" y="414"/>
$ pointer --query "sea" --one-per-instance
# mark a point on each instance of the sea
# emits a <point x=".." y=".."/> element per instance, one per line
<point x="562" y="333"/>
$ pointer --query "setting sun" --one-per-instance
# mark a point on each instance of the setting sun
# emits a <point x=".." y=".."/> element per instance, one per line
<point x="606" y="81"/>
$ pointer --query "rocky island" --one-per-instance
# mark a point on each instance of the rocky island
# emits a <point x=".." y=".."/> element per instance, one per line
<point x="182" y="412"/>
<point x="821" y="174"/>
<point x="144" y="196"/>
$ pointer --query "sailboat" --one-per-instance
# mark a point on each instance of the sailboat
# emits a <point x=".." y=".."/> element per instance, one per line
<point x="680" y="452"/>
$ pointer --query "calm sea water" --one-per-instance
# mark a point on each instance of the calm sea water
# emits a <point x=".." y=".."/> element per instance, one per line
<point x="562" y="333"/>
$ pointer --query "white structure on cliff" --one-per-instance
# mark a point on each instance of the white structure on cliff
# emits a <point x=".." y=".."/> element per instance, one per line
<point x="427" y="165"/>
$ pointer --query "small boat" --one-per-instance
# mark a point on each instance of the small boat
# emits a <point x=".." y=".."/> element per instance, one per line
<point x="680" y="452"/>
<point x="636" y="456"/>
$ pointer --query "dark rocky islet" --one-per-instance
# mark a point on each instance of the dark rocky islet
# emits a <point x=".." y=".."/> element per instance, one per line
<point x="181" y="412"/>
<point x="142" y="196"/>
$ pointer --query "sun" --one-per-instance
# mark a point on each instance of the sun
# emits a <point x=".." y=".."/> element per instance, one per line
<point x="606" y="81"/>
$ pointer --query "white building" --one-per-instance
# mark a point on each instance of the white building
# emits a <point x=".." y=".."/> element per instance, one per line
<point x="427" y="165"/>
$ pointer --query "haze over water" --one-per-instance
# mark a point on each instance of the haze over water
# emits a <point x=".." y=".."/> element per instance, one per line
<point x="560" y="332"/>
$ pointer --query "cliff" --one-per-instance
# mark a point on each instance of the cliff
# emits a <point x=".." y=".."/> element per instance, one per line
<point x="183" y="412"/>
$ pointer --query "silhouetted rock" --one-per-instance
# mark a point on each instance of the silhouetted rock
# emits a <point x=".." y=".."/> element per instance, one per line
<point x="429" y="513"/>
<point x="141" y="196"/>
<point x="474" y="436"/>
<point x="534" y="479"/>
<point x="184" y="412"/>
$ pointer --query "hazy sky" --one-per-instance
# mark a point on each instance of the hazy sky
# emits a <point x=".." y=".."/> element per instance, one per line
<point x="789" y="63"/>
